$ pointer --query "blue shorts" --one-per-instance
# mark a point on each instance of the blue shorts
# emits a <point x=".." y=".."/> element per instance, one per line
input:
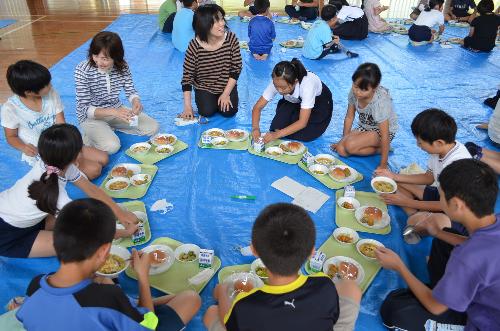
<point x="168" y="319"/>
<point x="17" y="242"/>
<point x="431" y="193"/>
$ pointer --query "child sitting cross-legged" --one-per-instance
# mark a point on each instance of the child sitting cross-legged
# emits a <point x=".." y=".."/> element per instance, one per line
<point x="283" y="237"/>
<point x="319" y="41"/>
<point x="261" y="31"/>
<point x="72" y="299"/>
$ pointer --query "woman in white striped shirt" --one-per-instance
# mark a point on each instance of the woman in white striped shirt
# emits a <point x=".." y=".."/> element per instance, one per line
<point x="99" y="81"/>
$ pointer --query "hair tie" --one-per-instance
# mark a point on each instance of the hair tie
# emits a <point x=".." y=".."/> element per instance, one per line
<point x="52" y="170"/>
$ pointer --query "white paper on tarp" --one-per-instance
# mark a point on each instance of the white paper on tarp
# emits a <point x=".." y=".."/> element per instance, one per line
<point x="182" y="122"/>
<point x="311" y="199"/>
<point x="288" y="186"/>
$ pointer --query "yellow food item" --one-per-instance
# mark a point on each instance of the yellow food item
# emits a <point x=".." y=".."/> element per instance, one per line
<point x="114" y="263"/>
<point x="164" y="150"/>
<point x="324" y="161"/>
<point x="235" y="134"/>
<point x="188" y="257"/>
<point x="119" y="185"/>
<point x="261" y="272"/>
<point x="345" y="238"/>
<point x="215" y="134"/>
<point x="220" y="143"/>
<point x="368" y="250"/>
<point x="332" y="270"/>
<point x="347" y="205"/>
<point x="318" y="172"/>
<point x="139" y="149"/>
<point x="383" y="186"/>
<point x="164" y="140"/>
<point x="142" y="181"/>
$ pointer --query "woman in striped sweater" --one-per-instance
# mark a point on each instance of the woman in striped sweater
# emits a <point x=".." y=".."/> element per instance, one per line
<point x="99" y="81"/>
<point x="212" y="65"/>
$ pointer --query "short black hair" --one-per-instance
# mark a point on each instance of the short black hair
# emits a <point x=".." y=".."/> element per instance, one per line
<point x="485" y="6"/>
<point x="328" y="12"/>
<point x="473" y="182"/>
<point x="188" y="3"/>
<point x="368" y="74"/>
<point x="338" y="3"/>
<point x="290" y="71"/>
<point x="205" y="18"/>
<point x="433" y="124"/>
<point x="283" y="236"/>
<point x="27" y="76"/>
<point x="81" y="228"/>
<point x="261" y="6"/>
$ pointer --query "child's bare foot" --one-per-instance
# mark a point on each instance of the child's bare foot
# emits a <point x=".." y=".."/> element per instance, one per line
<point x="333" y="147"/>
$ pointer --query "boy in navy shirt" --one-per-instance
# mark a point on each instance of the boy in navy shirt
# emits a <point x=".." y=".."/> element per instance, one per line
<point x="261" y="31"/>
<point x="69" y="300"/>
<point x="459" y="11"/>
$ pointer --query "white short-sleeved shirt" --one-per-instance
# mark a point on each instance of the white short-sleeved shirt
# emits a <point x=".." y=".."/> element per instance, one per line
<point x="494" y="125"/>
<point x="29" y="123"/>
<point x="19" y="210"/>
<point x="304" y="93"/>
<point x="350" y="13"/>
<point x="436" y="164"/>
<point x="430" y="18"/>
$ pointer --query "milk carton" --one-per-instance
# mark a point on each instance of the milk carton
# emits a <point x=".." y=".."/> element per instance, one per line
<point x="206" y="258"/>
<point x="317" y="260"/>
<point x="349" y="191"/>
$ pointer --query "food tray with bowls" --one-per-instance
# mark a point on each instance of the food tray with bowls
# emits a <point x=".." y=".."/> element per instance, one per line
<point x="139" y="209"/>
<point x="292" y="43"/>
<point x="376" y="220"/>
<point x="159" y="147"/>
<point x="457" y="24"/>
<point x="331" y="172"/>
<point x="244" y="44"/>
<point x="171" y="275"/>
<point x="285" y="151"/>
<point x="336" y="253"/>
<point x="399" y="29"/>
<point x="286" y="20"/>
<point x="455" y="40"/>
<point x="129" y="180"/>
<point x="256" y="268"/>
<point x="235" y="139"/>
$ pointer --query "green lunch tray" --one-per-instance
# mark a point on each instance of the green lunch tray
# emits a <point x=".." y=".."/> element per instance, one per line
<point x="327" y="181"/>
<point x="175" y="279"/>
<point x="289" y="159"/>
<point x="332" y="248"/>
<point x="346" y="218"/>
<point x="132" y="192"/>
<point x="227" y="271"/>
<point x="136" y="206"/>
<point x="151" y="157"/>
<point x="234" y="145"/>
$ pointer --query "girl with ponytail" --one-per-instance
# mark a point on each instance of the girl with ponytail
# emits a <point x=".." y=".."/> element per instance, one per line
<point x="423" y="28"/>
<point x="28" y="209"/>
<point x="305" y="110"/>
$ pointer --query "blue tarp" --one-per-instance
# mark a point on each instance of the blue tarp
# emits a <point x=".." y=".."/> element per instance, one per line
<point x="200" y="182"/>
<point x="5" y="23"/>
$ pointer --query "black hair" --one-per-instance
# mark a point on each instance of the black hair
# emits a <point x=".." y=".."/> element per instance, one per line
<point x="188" y="3"/>
<point x="328" y="12"/>
<point x="290" y="71"/>
<point x="58" y="147"/>
<point x="261" y="6"/>
<point x="112" y="45"/>
<point x="338" y="3"/>
<point x="473" y="182"/>
<point x="368" y="74"/>
<point x="433" y="3"/>
<point x="433" y="124"/>
<point x="206" y="16"/>
<point x="283" y="236"/>
<point x="27" y="76"/>
<point x="485" y="7"/>
<point x="81" y="228"/>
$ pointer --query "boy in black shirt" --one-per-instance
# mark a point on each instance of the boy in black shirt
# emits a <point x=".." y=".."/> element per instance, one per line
<point x="483" y="29"/>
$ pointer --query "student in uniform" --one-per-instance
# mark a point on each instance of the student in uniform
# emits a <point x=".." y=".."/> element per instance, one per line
<point x="305" y="110"/>
<point x="352" y="24"/>
<point x="422" y="29"/>
<point x="261" y="31"/>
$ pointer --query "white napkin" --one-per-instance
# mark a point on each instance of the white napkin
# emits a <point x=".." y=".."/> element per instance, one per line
<point x="311" y="199"/>
<point x="201" y="277"/>
<point x="288" y="186"/>
<point x="183" y="122"/>
<point x="162" y="205"/>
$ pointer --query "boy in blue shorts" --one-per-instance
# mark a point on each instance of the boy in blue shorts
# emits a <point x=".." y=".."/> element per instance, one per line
<point x="69" y="299"/>
<point x="464" y="271"/>
<point x="319" y="41"/>
<point x="283" y="237"/>
<point x="261" y="32"/>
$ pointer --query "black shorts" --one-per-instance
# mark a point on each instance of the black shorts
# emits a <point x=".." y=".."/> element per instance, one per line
<point x="253" y="10"/>
<point x="431" y="193"/>
<point x="17" y="242"/>
<point x="168" y="320"/>
<point x="420" y="33"/>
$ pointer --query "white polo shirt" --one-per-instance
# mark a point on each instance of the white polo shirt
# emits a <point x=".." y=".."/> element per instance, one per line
<point x="437" y="164"/>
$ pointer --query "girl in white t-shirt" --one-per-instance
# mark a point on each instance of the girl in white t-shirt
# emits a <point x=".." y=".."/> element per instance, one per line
<point x="28" y="209"/>
<point x="34" y="107"/>
<point x="423" y="28"/>
<point x="305" y="110"/>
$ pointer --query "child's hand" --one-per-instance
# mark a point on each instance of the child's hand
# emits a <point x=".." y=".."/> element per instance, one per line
<point x="333" y="147"/>
<point x="124" y="114"/>
<point x="136" y="106"/>
<point x="130" y="229"/>
<point x="224" y="102"/>
<point x="388" y="259"/>
<point x="219" y="290"/>
<point x="256" y="134"/>
<point x="270" y="136"/>
<point x="336" y="39"/>
<point x="384" y="172"/>
<point x="187" y="114"/>
<point x="395" y="198"/>
<point x="140" y="263"/>
<point x="128" y="218"/>
<point x="30" y="150"/>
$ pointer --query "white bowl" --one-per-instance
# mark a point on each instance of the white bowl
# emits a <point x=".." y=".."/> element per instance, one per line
<point x="117" y="179"/>
<point x="284" y="146"/>
<point x="356" y="204"/>
<point x="337" y="259"/>
<point x="159" y="149"/>
<point x="353" y="176"/>
<point x="325" y="159"/>
<point x="219" y="142"/>
<point x="160" y="268"/>
<point x="163" y="139"/>
<point x="368" y="241"/>
<point x="386" y="180"/>
<point x="140" y="177"/>
<point x="348" y="231"/>
<point x="183" y="249"/>
<point x="147" y="147"/>
<point x="230" y="138"/>
<point x="134" y="168"/>
<point x="119" y="226"/>
<point x="121" y="252"/>
<point x="215" y="132"/>
<point x="255" y="281"/>
<point x="256" y="264"/>
<point x="315" y="168"/>
<point x="386" y="219"/>
<point x="274" y="149"/>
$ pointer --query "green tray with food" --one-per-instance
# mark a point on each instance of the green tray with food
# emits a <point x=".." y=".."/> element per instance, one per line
<point x="159" y="147"/>
<point x="286" y="20"/>
<point x="292" y="43"/>
<point x="331" y="172"/>
<point x="228" y="271"/>
<point x="289" y="152"/>
<point x="215" y="138"/>
<point x="139" y="209"/>
<point x="347" y="258"/>
<point x="366" y="212"/>
<point x="129" y="180"/>
<point x="172" y="267"/>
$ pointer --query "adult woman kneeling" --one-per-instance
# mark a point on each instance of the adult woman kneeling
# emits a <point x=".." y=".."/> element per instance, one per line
<point x="305" y="110"/>
<point x="212" y="65"/>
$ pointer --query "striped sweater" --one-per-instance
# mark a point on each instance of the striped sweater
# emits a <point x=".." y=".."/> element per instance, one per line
<point x="211" y="70"/>
<point x="99" y="89"/>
